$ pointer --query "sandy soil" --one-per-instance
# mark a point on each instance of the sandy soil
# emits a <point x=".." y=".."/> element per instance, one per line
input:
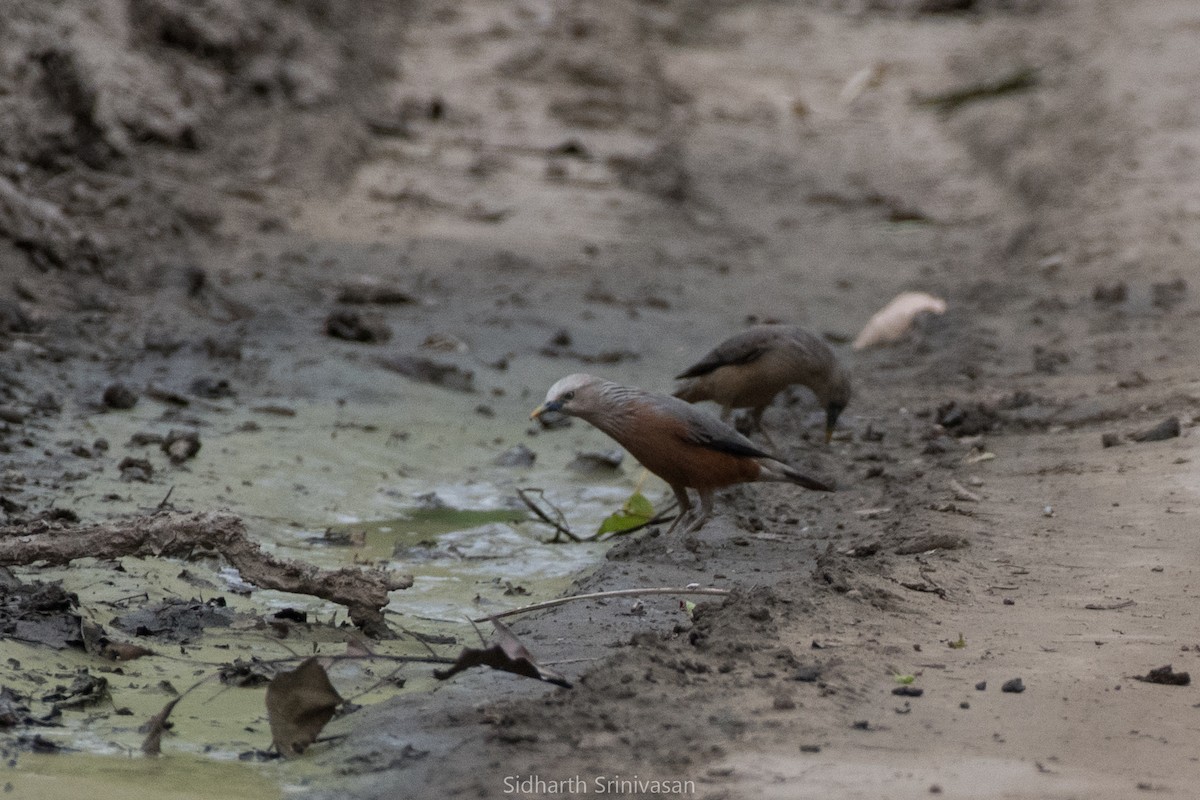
<point x="649" y="178"/>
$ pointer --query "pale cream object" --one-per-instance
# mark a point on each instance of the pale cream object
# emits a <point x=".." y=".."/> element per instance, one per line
<point x="893" y="320"/>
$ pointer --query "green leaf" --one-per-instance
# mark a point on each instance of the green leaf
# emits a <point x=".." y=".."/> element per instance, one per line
<point x="635" y="511"/>
<point x="904" y="680"/>
<point x="960" y="644"/>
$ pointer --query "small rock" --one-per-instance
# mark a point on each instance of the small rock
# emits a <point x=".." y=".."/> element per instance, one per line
<point x="964" y="704"/>
<point x="516" y="456"/>
<point x="427" y="370"/>
<point x="1167" y="429"/>
<point x="810" y="748"/>
<point x="1110" y="294"/>
<point x="120" y="396"/>
<point x="135" y="469"/>
<point x="1167" y="295"/>
<point x="367" y="291"/>
<point x="355" y="327"/>
<point x="1166" y="676"/>
<point x="181" y="445"/>
<point x="1110" y="440"/>
<point x="783" y="702"/>
<point x="908" y="691"/>
<point x="143" y="438"/>
<point x="981" y="686"/>
<point x="808" y="673"/>
<point x="211" y="388"/>
<point x="445" y="343"/>
<point x="430" y="501"/>
<point x="1014" y="686"/>
<point x="597" y="461"/>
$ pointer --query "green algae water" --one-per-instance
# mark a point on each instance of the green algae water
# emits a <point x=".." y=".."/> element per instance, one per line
<point x="325" y="484"/>
<point x="32" y="776"/>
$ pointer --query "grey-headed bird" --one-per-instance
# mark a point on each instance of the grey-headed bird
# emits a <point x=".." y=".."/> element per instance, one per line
<point x="685" y="446"/>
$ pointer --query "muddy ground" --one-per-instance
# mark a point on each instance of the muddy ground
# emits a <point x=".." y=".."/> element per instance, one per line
<point x="187" y="189"/>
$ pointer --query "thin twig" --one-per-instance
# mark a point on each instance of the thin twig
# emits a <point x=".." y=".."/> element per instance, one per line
<point x="602" y="596"/>
<point x="163" y="503"/>
<point x="560" y="527"/>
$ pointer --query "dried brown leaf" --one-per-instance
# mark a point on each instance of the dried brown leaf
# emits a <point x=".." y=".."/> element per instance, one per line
<point x="507" y="654"/>
<point x="299" y="704"/>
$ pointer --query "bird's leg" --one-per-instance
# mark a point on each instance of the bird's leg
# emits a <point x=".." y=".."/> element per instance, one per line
<point x="706" y="511"/>
<point x="685" y="506"/>
<point x="756" y="421"/>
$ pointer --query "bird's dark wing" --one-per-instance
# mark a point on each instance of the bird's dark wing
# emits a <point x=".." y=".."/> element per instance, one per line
<point x="702" y="428"/>
<point x="743" y="348"/>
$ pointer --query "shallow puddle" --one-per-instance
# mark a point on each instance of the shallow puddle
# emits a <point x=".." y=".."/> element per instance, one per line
<point x="325" y="484"/>
<point x="32" y="776"/>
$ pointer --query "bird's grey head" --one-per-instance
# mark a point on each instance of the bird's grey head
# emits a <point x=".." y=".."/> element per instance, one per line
<point x="579" y="395"/>
<point x="836" y="397"/>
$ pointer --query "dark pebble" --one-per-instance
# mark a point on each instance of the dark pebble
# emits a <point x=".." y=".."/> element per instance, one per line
<point x="1167" y="429"/>
<point x="1014" y="686"/>
<point x="810" y="748"/>
<point x="981" y="686"/>
<point x="908" y="691"/>
<point x="1110" y="439"/>
<point x="120" y="396"/>
<point x="808" y="673"/>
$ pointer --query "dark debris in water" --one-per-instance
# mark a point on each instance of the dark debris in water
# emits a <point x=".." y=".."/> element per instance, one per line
<point x="176" y="620"/>
<point x="242" y="673"/>
<point x="516" y="456"/>
<point x="85" y="690"/>
<point x="39" y="613"/>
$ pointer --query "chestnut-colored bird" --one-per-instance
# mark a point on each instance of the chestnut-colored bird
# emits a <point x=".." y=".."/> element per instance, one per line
<point x="747" y="371"/>
<point x="683" y="445"/>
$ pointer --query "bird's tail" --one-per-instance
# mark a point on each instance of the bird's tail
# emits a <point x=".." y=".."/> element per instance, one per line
<point x="773" y="470"/>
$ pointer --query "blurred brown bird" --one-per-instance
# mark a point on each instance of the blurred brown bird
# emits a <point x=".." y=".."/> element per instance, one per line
<point x="747" y="371"/>
<point x="679" y="443"/>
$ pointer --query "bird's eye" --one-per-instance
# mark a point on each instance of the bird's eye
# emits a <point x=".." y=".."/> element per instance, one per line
<point x="568" y="396"/>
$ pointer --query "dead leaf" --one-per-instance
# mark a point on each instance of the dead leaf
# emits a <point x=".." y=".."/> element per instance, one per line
<point x="892" y="321"/>
<point x="507" y="654"/>
<point x="152" y="744"/>
<point x="299" y="704"/>
<point x="869" y="77"/>
<point x="961" y="492"/>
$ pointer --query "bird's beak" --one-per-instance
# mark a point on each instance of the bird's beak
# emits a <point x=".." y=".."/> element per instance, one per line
<point x="549" y="405"/>
<point x="832" y="412"/>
